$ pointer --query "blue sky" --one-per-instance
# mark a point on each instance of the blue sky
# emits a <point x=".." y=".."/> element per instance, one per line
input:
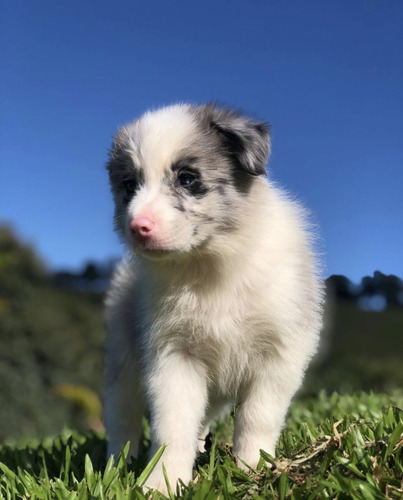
<point x="327" y="75"/>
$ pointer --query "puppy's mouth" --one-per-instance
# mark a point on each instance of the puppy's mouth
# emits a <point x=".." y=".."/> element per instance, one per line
<point x="153" y="252"/>
<point x="155" y="249"/>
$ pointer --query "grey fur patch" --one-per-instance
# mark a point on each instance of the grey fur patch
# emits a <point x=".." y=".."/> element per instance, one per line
<point x="220" y="190"/>
<point x="121" y="169"/>
<point x="246" y="142"/>
<point x="185" y="161"/>
<point x="179" y="206"/>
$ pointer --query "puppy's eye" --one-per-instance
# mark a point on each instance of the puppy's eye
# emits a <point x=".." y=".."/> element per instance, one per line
<point x="186" y="178"/>
<point x="130" y="185"/>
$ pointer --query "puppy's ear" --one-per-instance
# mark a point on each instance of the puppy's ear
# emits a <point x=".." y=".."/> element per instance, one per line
<point x="246" y="141"/>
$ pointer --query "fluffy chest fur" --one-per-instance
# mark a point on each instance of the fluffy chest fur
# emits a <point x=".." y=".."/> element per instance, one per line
<point x="222" y="334"/>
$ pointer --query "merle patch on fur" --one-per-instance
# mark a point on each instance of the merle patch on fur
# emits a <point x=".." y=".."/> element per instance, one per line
<point x="183" y="163"/>
<point x="246" y="142"/>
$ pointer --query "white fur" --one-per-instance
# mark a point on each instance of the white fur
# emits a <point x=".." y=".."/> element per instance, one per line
<point x="191" y="333"/>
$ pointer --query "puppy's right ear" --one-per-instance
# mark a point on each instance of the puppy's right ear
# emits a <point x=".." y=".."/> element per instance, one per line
<point x="247" y="142"/>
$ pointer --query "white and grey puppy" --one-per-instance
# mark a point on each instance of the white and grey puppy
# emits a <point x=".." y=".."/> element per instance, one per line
<point x="220" y="300"/>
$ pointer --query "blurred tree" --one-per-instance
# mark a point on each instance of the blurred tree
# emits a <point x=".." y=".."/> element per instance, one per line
<point x="91" y="272"/>
<point x="341" y="287"/>
<point x="390" y="287"/>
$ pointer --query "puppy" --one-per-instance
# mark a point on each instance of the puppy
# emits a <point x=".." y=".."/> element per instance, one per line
<point x="219" y="301"/>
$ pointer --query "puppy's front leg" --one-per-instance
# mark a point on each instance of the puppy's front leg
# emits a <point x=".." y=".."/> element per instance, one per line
<point x="177" y="390"/>
<point x="124" y="406"/>
<point x="264" y="404"/>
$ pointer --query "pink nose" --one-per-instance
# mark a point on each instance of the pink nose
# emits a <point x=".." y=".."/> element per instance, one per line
<point x="142" y="226"/>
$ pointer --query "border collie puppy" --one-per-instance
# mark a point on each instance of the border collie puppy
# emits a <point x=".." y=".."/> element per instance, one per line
<point x="218" y="301"/>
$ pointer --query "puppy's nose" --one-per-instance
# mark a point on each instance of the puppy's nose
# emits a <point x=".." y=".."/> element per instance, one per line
<point x="142" y="226"/>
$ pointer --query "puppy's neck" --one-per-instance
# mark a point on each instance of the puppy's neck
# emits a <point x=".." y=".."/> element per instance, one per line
<point x="197" y="270"/>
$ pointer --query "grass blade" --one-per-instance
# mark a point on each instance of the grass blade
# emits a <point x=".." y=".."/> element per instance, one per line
<point x="150" y="467"/>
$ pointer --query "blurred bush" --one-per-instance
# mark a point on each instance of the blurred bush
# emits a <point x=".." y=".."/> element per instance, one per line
<point x="86" y="399"/>
<point x="48" y="336"/>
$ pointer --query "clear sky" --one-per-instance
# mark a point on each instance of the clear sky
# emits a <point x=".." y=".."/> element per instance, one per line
<point x="328" y="76"/>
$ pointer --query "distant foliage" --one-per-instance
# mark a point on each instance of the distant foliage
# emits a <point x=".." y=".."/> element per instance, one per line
<point x="376" y="293"/>
<point x="48" y="336"/>
<point x="94" y="277"/>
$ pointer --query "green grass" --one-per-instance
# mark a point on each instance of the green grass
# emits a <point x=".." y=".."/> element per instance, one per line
<point x="345" y="447"/>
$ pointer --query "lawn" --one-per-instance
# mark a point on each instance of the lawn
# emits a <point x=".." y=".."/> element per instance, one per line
<point x="333" y="446"/>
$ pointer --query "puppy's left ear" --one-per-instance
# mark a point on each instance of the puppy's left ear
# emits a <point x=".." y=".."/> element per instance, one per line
<point x="246" y="141"/>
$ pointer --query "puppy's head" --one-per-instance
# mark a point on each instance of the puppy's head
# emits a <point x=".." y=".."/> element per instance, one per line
<point x="181" y="177"/>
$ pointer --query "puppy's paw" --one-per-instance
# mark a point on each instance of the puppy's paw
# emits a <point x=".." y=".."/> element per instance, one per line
<point x="156" y="482"/>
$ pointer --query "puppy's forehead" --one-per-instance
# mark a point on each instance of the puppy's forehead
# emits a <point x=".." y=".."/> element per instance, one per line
<point x="162" y="135"/>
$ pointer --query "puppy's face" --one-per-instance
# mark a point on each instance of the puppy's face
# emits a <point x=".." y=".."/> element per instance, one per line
<point x="180" y="177"/>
